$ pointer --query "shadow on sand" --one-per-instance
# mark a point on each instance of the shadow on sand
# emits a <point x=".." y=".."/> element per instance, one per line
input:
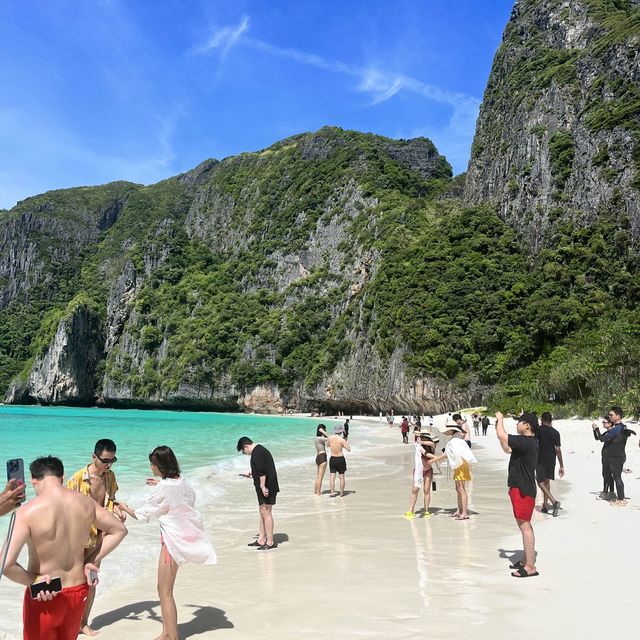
<point x="204" y="618"/>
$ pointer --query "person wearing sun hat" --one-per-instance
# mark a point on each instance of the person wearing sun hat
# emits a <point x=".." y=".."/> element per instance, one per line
<point x="521" y="481"/>
<point x="423" y="472"/>
<point x="459" y="457"/>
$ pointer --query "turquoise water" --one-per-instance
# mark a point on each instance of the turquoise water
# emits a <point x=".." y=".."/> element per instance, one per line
<point x="205" y="445"/>
<point x="198" y="439"/>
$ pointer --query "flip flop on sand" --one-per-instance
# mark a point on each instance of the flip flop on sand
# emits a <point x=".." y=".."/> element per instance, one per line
<point x="516" y="565"/>
<point x="255" y="544"/>
<point x="461" y="518"/>
<point x="409" y="515"/>
<point x="522" y="573"/>
<point x="556" y="507"/>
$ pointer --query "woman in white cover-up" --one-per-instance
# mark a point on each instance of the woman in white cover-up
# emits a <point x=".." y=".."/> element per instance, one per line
<point x="182" y="538"/>
<point x="459" y="457"/>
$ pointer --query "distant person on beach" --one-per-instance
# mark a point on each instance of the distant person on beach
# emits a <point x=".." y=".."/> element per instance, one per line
<point x="97" y="481"/>
<point x="337" y="462"/>
<point x="607" y="479"/>
<point x="462" y="423"/>
<point x="265" y="481"/>
<point x="615" y="440"/>
<point x="55" y="526"/>
<point x="11" y="497"/>
<point x="422" y="476"/>
<point x="460" y="459"/>
<point x="321" y="457"/>
<point x="182" y="534"/>
<point x="485" y="424"/>
<point x="404" y="430"/>
<point x="346" y="429"/>
<point x="522" y="484"/>
<point x="548" y="450"/>
<point x="476" y="424"/>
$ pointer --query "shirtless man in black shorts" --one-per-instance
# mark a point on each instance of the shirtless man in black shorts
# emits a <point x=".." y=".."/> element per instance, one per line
<point x="337" y="462"/>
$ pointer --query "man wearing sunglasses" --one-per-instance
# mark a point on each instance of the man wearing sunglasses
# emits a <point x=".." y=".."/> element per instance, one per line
<point x="98" y="481"/>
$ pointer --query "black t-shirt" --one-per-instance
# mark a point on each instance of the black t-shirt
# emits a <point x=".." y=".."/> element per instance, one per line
<point x="522" y="464"/>
<point x="548" y="440"/>
<point x="262" y="464"/>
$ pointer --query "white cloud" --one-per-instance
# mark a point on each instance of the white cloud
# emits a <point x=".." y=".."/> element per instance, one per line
<point x="225" y="38"/>
<point x="382" y="86"/>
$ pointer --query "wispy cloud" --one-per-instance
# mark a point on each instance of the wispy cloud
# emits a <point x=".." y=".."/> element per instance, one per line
<point x="224" y="39"/>
<point x="380" y="84"/>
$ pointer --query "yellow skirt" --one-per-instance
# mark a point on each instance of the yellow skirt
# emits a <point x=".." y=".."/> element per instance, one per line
<point x="463" y="472"/>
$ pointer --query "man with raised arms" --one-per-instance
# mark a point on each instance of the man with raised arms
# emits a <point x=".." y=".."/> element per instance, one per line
<point x="55" y="526"/>
<point x="522" y="484"/>
<point x="337" y="462"/>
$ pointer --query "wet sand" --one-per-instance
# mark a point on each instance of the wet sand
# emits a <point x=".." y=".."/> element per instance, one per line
<point x="354" y="567"/>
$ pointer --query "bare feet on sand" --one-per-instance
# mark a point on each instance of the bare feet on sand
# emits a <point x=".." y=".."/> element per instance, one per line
<point x="88" y="631"/>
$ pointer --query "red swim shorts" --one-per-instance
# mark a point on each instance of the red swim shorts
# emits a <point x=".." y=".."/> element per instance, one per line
<point x="522" y="505"/>
<point x="57" y="619"/>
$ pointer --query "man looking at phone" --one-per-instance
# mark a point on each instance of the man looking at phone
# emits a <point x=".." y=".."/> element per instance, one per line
<point x="11" y="497"/>
<point x="265" y="480"/>
<point x="97" y="481"/>
<point x="55" y="526"/>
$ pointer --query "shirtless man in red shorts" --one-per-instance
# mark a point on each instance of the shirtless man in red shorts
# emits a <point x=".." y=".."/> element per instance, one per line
<point x="55" y="526"/>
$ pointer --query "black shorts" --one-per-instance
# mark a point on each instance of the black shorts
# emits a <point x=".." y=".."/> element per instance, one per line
<point x="262" y="499"/>
<point x="546" y="471"/>
<point x="337" y="464"/>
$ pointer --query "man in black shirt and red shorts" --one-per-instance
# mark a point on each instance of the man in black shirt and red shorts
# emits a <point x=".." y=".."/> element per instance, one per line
<point x="522" y="484"/>
<point x="265" y="480"/>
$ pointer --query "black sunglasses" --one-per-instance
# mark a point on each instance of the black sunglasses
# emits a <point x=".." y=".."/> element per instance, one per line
<point x="107" y="460"/>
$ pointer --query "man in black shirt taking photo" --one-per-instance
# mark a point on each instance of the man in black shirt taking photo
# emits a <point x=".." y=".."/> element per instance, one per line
<point x="522" y="484"/>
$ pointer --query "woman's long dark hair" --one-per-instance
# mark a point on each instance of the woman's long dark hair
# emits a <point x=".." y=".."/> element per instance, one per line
<point x="320" y="429"/>
<point x="164" y="458"/>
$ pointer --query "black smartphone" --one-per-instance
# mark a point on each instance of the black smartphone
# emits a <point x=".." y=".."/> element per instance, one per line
<point x="38" y="587"/>
<point x="15" y="470"/>
<point x="433" y="485"/>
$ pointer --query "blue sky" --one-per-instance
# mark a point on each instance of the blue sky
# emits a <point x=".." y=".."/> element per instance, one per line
<point x="101" y="90"/>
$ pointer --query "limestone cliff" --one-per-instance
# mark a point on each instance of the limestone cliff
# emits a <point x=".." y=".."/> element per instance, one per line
<point x="558" y="136"/>
<point x="65" y="373"/>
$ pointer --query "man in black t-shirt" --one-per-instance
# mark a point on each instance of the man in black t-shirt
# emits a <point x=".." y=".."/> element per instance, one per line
<point x="548" y="450"/>
<point x="265" y="480"/>
<point x="522" y="484"/>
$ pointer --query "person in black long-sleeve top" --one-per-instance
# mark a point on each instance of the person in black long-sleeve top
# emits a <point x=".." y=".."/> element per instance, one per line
<point x="607" y="478"/>
<point x="615" y="440"/>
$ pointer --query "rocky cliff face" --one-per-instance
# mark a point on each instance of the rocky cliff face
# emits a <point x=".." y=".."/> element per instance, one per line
<point x="229" y="287"/>
<point x="46" y="234"/>
<point x="66" y="372"/>
<point x="558" y="136"/>
<point x="337" y="270"/>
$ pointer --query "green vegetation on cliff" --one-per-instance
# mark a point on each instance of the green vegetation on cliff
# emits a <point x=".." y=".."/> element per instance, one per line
<point x="279" y="262"/>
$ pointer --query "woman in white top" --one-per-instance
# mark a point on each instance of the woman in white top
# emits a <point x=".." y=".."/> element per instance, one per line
<point x="182" y="538"/>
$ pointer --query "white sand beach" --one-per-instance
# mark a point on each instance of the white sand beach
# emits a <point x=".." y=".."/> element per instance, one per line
<point x="354" y="567"/>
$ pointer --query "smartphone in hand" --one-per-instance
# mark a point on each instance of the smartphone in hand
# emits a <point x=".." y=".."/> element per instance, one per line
<point x="38" y="587"/>
<point x="15" y="471"/>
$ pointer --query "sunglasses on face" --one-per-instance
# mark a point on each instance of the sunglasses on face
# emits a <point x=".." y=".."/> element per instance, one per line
<point x="107" y="460"/>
